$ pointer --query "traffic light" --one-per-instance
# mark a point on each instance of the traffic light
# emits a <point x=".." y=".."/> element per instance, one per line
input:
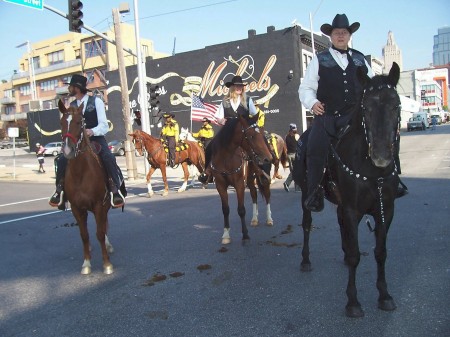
<point x="154" y="93"/>
<point x="75" y="16"/>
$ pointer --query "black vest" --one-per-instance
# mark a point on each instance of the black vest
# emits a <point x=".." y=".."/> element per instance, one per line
<point x="90" y="113"/>
<point x="339" y="89"/>
<point x="229" y="112"/>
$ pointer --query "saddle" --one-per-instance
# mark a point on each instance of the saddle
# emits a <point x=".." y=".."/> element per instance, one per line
<point x="178" y="148"/>
<point x="96" y="147"/>
<point x="272" y="142"/>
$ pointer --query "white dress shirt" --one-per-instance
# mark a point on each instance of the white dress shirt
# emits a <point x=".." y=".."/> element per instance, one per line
<point x="102" y="127"/>
<point x="310" y="83"/>
<point x="220" y="113"/>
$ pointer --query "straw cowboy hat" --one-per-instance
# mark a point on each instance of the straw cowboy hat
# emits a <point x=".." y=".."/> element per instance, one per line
<point x="339" y="21"/>
<point x="236" y="80"/>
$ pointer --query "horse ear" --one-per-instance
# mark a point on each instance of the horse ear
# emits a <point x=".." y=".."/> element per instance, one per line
<point x="62" y="107"/>
<point x="394" y="74"/>
<point x="361" y="74"/>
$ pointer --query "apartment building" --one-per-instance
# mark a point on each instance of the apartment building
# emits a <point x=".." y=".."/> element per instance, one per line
<point x="40" y="81"/>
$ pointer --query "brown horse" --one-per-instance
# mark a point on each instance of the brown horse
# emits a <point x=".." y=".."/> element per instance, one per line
<point x="281" y="150"/>
<point x="228" y="164"/>
<point x="85" y="184"/>
<point x="258" y="177"/>
<point x="157" y="158"/>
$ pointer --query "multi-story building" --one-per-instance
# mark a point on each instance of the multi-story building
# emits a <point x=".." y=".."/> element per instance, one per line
<point x="44" y="72"/>
<point x="391" y="53"/>
<point x="441" y="47"/>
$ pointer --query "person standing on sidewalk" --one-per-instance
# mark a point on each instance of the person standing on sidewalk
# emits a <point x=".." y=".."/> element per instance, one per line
<point x="291" y="140"/>
<point x="40" y="150"/>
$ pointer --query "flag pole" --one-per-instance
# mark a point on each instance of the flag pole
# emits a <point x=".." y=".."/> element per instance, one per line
<point x="191" y="110"/>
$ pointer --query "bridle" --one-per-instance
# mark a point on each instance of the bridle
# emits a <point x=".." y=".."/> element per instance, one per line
<point x="363" y="111"/>
<point x="76" y="140"/>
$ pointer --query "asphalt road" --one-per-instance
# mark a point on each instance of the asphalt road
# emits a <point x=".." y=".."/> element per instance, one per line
<point x="254" y="289"/>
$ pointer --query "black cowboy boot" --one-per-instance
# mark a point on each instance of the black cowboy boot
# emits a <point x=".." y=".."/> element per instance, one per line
<point x="314" y="201"/>
<point x="117" y="198"/>
<point x="57" y="199"/>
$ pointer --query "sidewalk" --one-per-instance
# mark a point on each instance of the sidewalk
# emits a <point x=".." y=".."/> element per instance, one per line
<point x="29" y="172"/>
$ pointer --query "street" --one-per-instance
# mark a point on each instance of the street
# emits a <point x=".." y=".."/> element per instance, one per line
<point x="172" y="276"/>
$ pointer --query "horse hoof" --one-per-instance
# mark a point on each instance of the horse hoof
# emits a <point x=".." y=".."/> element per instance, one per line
<point x="226" y="241"/>
<point x="387" y="305"/>
<point x="181" y="190"/>
<point x="86" y="270"/>
<point x="108" y="270"/>
<point x="165" y="193"/>
<point x="149" y="195"/>
<point x="354" y="311"/>
<point x="269" y="223"/>
<point x="305" y="267"/>
<point x="254" y="223"/>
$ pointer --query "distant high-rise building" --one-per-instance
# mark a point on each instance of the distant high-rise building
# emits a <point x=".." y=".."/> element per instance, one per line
<point x="441" y="47"/>
<point x="391" y="53"/>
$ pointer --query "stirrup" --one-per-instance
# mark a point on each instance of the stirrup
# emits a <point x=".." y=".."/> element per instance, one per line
<point x="112" y="199"/>
<point x="60" y="202"/>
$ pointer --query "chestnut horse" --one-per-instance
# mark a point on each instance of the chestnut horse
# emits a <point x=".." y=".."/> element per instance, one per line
<point x="85" y="184"/>
<point x="361" y="179"/>
<point x="281" y="150"/>
<point x="157" y="158"/>
<point x="260" y="178"/>
<point x="228" y="164"/>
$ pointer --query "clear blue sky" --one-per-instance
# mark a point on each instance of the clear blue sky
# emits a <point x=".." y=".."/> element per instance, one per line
<point x="200" y="23"/>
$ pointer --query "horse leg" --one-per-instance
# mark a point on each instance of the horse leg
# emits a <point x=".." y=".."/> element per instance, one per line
<point x="164" y="177"/>
<point x="349" y="233"/>
<point x="81" y="217"/>
<point x="108" y="244"/>
<point x="240" y="192"/>
<point x="266" y="193"/>
<point x="101" y="218"/>
<point x="184" y="165"/>
<point x="385" y="301"/>
<point x="226" y="239"/>
<point x="276" y="165"/>
<point x="251" y="186"/>
<point x="306" y="226"/>
<point x="149" y="183"/>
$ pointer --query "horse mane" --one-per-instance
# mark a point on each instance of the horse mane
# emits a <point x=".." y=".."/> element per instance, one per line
<point x="225" y="134"/>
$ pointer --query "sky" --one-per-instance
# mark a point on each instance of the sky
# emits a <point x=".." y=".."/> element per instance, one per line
<point x="196" y="24"/>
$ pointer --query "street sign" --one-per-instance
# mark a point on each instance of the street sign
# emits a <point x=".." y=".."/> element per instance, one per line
<point x="36" y="4"/>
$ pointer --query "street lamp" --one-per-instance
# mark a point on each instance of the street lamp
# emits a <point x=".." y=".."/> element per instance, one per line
<point x="30" y="70"/>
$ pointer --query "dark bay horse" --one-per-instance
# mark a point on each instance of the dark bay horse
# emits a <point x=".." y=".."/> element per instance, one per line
<point x="258" y="177"/>
<point x="157" y="158"/>
<point x="237" y="139"/>
<point x="361" y="178"/>
<point x="85" y="184"/>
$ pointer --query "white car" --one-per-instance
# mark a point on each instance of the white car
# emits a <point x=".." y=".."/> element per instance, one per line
<point x="53" y="149"/>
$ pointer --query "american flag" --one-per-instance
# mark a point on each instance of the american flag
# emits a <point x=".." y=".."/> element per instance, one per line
<point x="200" y="109"/>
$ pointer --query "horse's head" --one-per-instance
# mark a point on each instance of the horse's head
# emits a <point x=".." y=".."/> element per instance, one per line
<point x="72" y="128"/>
<point x="184" y="133"/>
<point x="381" y="114"/>
<point x="138" y="141"/>
<point x="253" y="141"/>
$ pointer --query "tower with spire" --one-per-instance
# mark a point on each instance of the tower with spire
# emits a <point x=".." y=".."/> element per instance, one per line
<point x="391" y="53"/>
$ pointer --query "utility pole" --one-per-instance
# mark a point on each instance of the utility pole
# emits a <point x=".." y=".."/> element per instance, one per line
<point x="129" y="150"/>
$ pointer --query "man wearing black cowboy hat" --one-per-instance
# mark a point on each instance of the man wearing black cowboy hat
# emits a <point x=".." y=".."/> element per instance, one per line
<point x="206" y="132"/>
<point x="170" y="133"/>
<point x="329" y="90"/>
<point x="96" y="126"/>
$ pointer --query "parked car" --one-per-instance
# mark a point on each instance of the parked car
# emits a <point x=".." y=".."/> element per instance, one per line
<point x="438" y="119"/>
<point x="8" y="144"/>
<point x="415" y="123"/>
<point x="53" y="149"/>
<point x="117" y="147"/>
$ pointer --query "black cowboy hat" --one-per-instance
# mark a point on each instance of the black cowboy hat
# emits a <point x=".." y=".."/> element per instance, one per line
<point x="168" y="114"/>
<point x="236" y="80"/>
<point x="339" y="21"/>
<point x="78" y="81"/>
<point x="206" y="120"/>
